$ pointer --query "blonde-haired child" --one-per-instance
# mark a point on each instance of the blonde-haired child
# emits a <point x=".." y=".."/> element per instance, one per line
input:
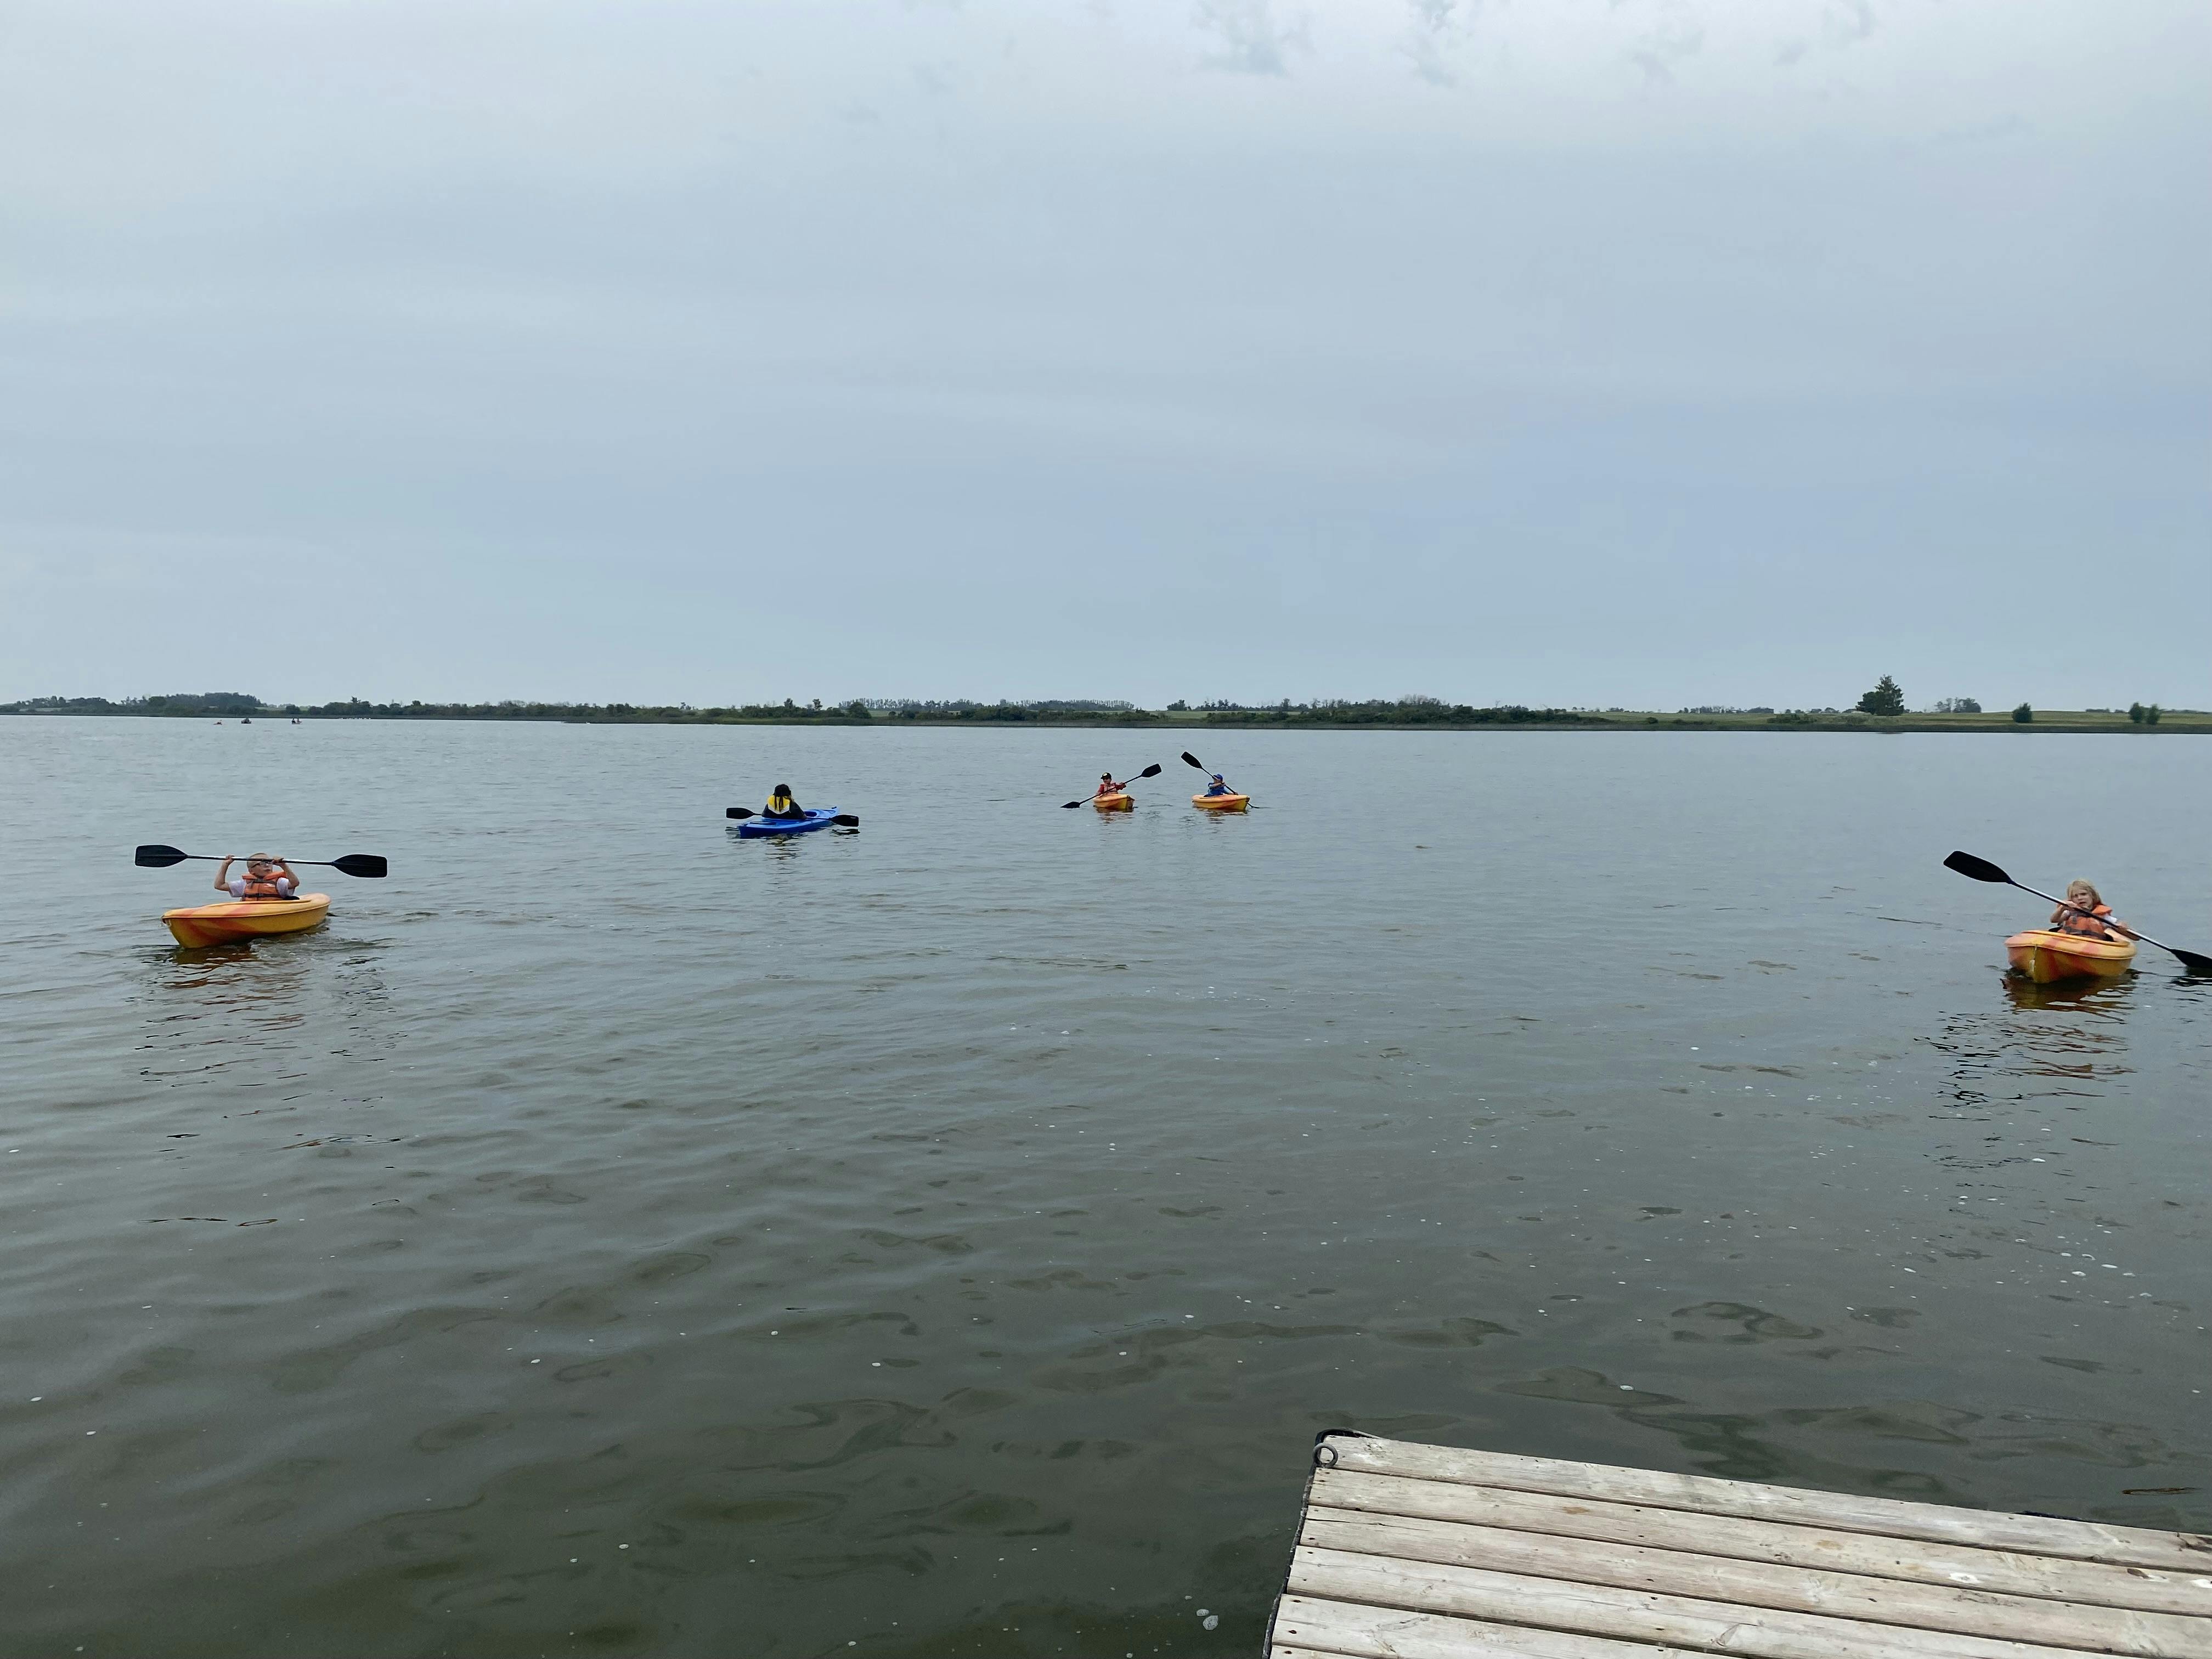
<point x="2085" y="914"/>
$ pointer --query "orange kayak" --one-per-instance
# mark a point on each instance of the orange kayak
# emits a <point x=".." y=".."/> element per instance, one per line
<point x="1115" y="803"/>
<point x="2045" y="957"/>
<point x="1221" y="803"/>
<point x="241" y="919"/>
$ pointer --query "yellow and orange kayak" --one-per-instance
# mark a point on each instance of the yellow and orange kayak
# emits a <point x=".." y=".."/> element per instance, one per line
<point x="2045" y="957"/>
<point x="1115" y="803"/>
<point x="242" y="919"/>
<point x="1221" y="803"/>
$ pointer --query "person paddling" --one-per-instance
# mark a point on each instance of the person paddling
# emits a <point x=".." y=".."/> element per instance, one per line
<point x="1215" y="787"/>
<point x="2085" y="914"/>
<point x="1107" y="786"/>
<point x="782" y="804"/>
<point x="266" y="877"/>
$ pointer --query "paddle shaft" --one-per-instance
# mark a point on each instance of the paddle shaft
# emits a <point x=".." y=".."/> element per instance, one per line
<point x="239" y="858"/>
<point x="2117" y="927"/>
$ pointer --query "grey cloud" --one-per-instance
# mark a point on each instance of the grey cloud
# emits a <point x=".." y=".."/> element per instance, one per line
<point x="1847" y="22"/>
<point x="1671" y="36"/>
<point x="1657" y="52"/>
<point x="1844" y="23"/>
<point x="1252" y="41"/>
<point x="1433" y="26"/>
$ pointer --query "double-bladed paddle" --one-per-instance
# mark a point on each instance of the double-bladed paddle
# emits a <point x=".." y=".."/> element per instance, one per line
<point x="1149" y="772"/>
<point x="1190" y="759"/>
<point x="1982" y="869"/>
<point x="352" y="864"/>
<point x="844" y="820"/>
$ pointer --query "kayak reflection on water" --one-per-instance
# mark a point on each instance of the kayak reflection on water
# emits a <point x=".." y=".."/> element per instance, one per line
<point x="2102" y="996"/>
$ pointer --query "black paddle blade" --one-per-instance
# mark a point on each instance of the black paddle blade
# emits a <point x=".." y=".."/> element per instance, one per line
<point x="1976" y="869"/>
<point x="159" y="858"/>
<point x="847" y="820"/>
<point x="1149" y="772"/>
<point x="1065" y="804"/>
<point x="359" y="864"/>
<point x="1189" y="759"/>
<point x="2193" y="964"/>
<point x="735" y="812"/>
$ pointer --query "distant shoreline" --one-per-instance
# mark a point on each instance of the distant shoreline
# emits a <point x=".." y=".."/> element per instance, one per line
<point x="1377" y="716"/>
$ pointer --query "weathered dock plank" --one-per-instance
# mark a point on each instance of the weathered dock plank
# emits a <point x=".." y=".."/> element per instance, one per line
<point x="1891" y="1518"/>
<point x="1384" y="1633"/>
<point x="1408" y="1552"/>
<point x="1783" y="1543"/>
<point x="1338" y="1628"/>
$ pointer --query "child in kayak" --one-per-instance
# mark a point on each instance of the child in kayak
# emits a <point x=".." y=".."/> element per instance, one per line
<point x="1107" y="786"/>
<point x="781" y="806"/>
<point x="265" y="878"/>
<point x="1216" y="786"/>
<point x="2085" y="914"/>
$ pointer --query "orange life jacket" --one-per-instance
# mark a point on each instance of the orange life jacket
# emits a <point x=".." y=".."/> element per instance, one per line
<point x="270" y="889"/>
<point x="2091" y="926"/>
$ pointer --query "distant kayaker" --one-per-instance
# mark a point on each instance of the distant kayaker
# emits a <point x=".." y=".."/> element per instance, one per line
<point x="265" y="878"/>
<point x="1216" y="786"/>
<point x="2085" y="914"/>
<point x="1107" y="786"/>
<point x="780" y="804"/>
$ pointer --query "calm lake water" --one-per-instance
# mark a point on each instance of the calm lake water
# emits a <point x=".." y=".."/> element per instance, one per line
<point x="611" y="1237"/>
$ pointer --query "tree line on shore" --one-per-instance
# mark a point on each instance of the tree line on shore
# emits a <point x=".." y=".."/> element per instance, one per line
<point x="1885" y="703"/>
<point x="1407" y="711"/>
<point x="1887" y="699"/>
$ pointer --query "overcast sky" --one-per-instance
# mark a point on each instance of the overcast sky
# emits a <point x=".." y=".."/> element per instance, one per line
<point x="1639" y="352"/>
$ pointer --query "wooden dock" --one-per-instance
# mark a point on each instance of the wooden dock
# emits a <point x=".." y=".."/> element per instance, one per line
<point x="1409" y="1552"/>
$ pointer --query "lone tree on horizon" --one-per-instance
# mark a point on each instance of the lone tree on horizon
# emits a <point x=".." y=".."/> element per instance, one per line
<point x="1886" y="698"/>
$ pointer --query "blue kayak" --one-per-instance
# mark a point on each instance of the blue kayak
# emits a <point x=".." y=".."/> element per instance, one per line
<point x="817" y="817"/>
